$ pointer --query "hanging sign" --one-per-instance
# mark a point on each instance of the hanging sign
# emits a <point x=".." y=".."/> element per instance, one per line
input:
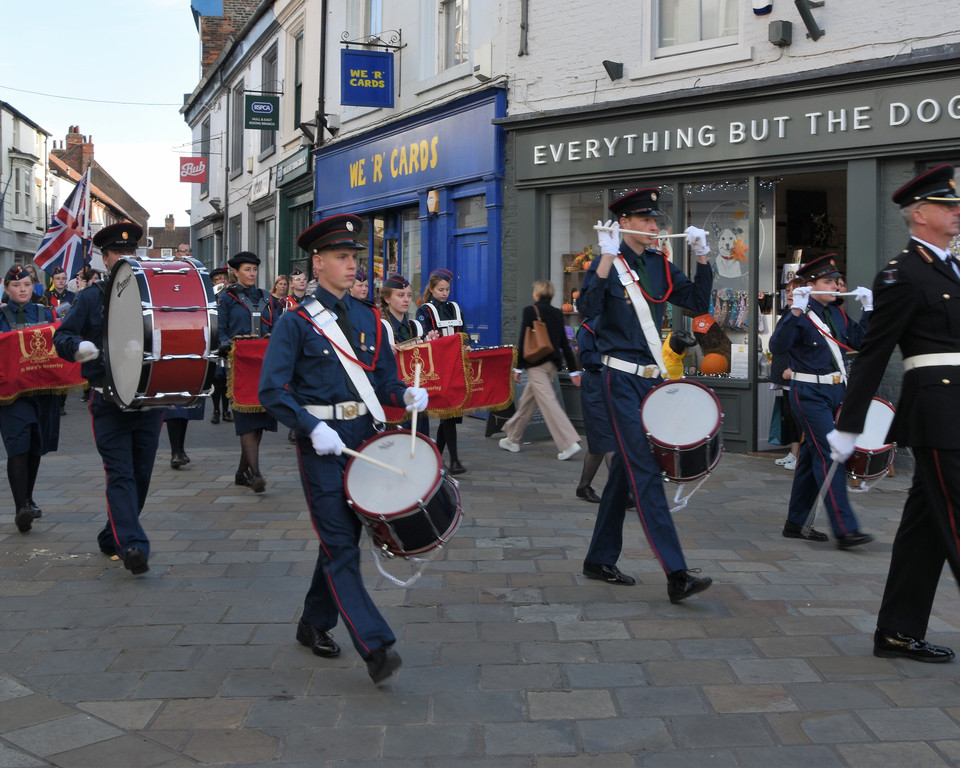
<point x="366" y="78"/>
<point x="193" y="169"/>
<point x="262" y="113"/>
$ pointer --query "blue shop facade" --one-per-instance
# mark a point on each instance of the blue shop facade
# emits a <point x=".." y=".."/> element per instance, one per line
<point x="430" y="191"/>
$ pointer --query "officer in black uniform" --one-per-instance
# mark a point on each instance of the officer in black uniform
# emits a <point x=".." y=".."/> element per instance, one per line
<point x="917" y="308"/>
<point x="815" y="334"/>
<point x="307" y="387"/>
<point x="126" y="440"/>
<point x="630" y="371"/>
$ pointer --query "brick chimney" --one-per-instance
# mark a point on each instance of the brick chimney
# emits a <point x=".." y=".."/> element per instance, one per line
<point x="216" y="31"/>
<point x="78" y="149"/>
<point x="168" y="222"/>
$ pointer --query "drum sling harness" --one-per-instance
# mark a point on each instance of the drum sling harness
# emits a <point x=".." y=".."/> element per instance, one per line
<point x="326" y="322"/>
<point x="831" y="344"/>
<point x="446" y="327"/>
<point x="629" y="280"/>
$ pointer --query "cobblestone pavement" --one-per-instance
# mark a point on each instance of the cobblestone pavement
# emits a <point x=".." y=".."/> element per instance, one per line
<point x="511" y="657"/>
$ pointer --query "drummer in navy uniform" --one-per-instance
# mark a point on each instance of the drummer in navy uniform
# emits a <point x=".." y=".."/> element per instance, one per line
<point x="600" y="443"/>
<point x="30" y="425"/>
<point x="438" y="313"/>
<point x="246" y="310"/>
<point x="631" y="368"/>
<point x="327" y="369"/>
<point x="917" y="308"/>
<point x="816" y="334"/>
<point x="127" y="440"/>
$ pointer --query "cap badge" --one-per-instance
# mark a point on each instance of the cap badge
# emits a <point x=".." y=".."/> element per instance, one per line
<point x="349" y="226"/>
<point x="653" y="195"/>
<point x="124" y="235"/>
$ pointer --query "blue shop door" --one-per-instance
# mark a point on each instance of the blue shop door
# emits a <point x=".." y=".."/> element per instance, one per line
<point x="477" y="290"/>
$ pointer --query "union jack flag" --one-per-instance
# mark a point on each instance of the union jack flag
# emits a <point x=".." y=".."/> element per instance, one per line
<point x="68" y="242"/>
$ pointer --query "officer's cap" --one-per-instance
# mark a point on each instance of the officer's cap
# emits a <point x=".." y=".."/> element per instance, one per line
<point x="824" y="266"/>
<point x="16" y="272"/>
<point x="643" y="202"/>
<point x="338" y="231"/>
<point x="936" y="185"/>
<point x="121" y="236"/>
<point x="442" y="274"/>
<point x="396" y="281"/>
<point x="244" y="257"/>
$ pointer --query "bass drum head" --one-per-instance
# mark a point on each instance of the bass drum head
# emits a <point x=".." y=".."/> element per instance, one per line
<point x="123" y="332"/>
<point x="879" y="418"/>
<point x="378" y="492"/>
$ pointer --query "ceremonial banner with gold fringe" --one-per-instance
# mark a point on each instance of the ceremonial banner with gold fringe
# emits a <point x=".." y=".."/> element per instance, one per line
<point x="490" y="375"/>
<point x="30" y="365"/>
<point x="243" y="378"/>
<point x="442" y="374"/>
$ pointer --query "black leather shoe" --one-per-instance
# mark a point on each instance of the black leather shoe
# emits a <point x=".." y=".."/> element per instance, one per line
<point x="891" y="644"/>
<point x="853" y="539"/>
<point x="108" y="549"/>
<point x="608" y="573"/>
<point x="184" y="458"/>
<point x="135" y="561"/>
<point x="456" y="468"/>
<point x="215" y="419"/>
<point x="37" y="512"/>
<point x="228" y="416"/>
<point x="794" y="531"/>
<point x="24" y="519"/>
<point x="682" y="584"/>
<point x="317" y="640"/>
<point x="383" y="663"/>
<point x="587" y="493"/>
<point x="241" y="478"/>
<point x="257" y="483"/>
<point x="177" y="461"/>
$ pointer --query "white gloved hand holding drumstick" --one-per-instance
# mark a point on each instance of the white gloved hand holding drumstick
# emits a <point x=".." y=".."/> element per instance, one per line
<point x="86" y="351"/>
<point x="842" y="444"/>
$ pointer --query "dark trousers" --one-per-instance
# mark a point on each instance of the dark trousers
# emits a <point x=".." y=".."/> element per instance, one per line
<point x="815" y="405"/>
<point x="633" y="470"/>
<point x="337" y="588"/>
<point x="127" y="442"/>
<point x="928" y="536"/>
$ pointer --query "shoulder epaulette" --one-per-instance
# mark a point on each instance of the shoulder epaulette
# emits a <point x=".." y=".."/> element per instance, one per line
<point x="925" y="254"/>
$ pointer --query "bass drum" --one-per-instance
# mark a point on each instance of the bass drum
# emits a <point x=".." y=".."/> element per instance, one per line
<point x="682" y="422"/>
<point x="873" y="455"/>
<point x="404" y="515"/>
<point x="159" y="333"/>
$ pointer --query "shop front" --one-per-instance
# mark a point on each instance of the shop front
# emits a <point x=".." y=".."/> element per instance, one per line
<point x="294" y="184"/>
<point x="430" y="191"/>
<point x="776" y="176"/>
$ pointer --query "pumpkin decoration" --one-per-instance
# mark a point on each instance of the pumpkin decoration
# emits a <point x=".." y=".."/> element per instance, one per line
<point x="567" y="307"/>
<point x="714" y="364"/>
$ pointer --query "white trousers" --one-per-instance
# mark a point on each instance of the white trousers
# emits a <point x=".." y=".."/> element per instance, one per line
<point x="539" y="394"/>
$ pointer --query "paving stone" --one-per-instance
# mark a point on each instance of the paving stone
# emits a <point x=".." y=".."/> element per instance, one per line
<point x="11" y="758"/>
<point x="547" y="738"/>
<point x="734" y="699"/>
<point x="910" y="724"/>
<point x="62" y="734"/>
<point x="31" y="709"/>
<point x="625" y="735"/>
<point x="872" y="755"/>
<point x="428" y="741"/>
<point x="789" y="757"/>
<point x="246" y="747"/>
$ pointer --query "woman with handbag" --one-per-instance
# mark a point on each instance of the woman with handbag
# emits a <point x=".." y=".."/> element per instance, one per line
<point x="544" y="347"/>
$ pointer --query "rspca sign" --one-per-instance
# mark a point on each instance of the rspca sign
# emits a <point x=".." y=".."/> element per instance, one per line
<point x="262" y="113"/>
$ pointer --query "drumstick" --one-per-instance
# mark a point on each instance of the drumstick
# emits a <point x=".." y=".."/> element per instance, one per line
<point x="638" y="232"/>
<point x="808" y="525"/>
<point x="413" y="421"/>
<point x="382" y="465"/>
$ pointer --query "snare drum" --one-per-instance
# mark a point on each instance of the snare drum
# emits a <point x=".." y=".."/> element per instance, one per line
<point x="159" y="333"/>
<point x="409" y="515"/>
<point x="872" y="454"/>
<point x="682" y="422"/>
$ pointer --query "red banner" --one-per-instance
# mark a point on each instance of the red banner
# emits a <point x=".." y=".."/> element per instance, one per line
<point x="442" y="374"/>
<point x="243" y="379"/>
<point x="490" y="373"/>
<point x="193" y="170"/>
<point x="30" y="365"/>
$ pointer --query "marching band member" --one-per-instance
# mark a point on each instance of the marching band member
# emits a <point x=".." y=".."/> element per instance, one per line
<point x="127" y="440"/>
<point x="438" y="313"/>
<point x="58" y="297"/>
<point x="326" y="371"/>
<point x="218" y="277"/>
<point x="918" y="309"/>
<point x="624" y="292"/>
<point x="395" y="299"/>
<point x="245" y="310"/>
<point x="816" y="334"/>
<point x="30" y="425"/>
<point x="298" y="288"/>
<point x="600" y="443"/>
<point x="361" y="287"/>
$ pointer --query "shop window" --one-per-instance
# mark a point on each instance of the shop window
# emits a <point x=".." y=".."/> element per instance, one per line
<point x="269" y="84"/>
<point x="267" y="245"/>
<point x="235" y="235"/>
<point x="410" y="249"/>
<point x="453" y="33"/>
<point x="472" y="212"/>
<point x="297" y="78"/>
<point x="691" y="25"/>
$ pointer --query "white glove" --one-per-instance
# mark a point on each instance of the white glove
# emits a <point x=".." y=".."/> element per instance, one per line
<point x="801" y="297"/>
<point x="842" y="444"/>
<point x="416" y="399"/>
<point x="865" y="297"/>
<point x="86" y="351"/>
<point x="609" y="241"/>
<point x="697" y="240"/>
<point x="325" y="440"/>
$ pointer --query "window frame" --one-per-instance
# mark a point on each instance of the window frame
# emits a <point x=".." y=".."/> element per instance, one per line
<point x="236" y="131"/>
<point x="268" y="139"/>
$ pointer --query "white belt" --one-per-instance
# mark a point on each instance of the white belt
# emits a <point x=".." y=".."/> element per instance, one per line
<point x="933" y="359"/>
<point x="643" y="371"/>
<point x="813" y="378"/>
<point x="340" y="411"/>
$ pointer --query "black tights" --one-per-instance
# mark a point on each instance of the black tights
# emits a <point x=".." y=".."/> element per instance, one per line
<point x="22" y="474"/>
<point x="220" y="394"/>
<point x="447" y="438"/>
<point x="250" y="452"/>
<point x="177" y="432"/>
<point x="591" y="463"/>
